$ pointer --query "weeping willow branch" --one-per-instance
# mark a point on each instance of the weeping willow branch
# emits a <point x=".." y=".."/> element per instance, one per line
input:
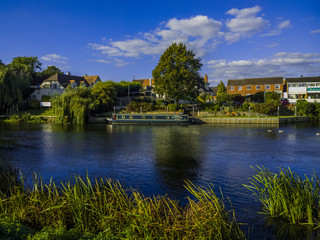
<point x="74" y="105"/>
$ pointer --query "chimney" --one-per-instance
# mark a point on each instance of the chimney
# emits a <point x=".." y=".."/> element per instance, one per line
<point x="206" y="78"/>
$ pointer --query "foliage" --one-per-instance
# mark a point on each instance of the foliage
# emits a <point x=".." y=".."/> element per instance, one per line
<point x="34" y="104"/>
<point x="25" y="117"/>
<point x="173" y="107"/>
<point x="74" y="104"/>
<point x="177" y="75"/>
<point x="287" y="196"/>
<point x="49" y="71"/>
<point x="272" y="96"/>
<point x="30" y="65"/>
<point x="103" y="94"/>
<point x="221" y="88"/>
<point x="122" y="87"/>
<point x="13" y="87"/>
<point x="306" y="108"/>
<point x="104" y="207"/>
<point x="140" y="106"/>
<point x="271" y="107"/>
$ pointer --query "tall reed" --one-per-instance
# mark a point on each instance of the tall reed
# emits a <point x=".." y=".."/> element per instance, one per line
<point x="104" y="207"/>
<point x="288" y="197"/>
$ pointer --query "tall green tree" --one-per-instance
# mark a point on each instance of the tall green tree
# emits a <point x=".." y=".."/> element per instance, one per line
<point x="103" y="94"/>
<point x="30" y="65"/>
<point x="221" y="93"/>
<point x="177" y="74"/>
<point x="13" y="87"/>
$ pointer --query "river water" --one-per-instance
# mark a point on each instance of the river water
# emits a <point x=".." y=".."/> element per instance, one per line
<point x="158" y="159"/>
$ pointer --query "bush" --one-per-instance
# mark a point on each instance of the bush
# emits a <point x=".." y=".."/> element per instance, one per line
<point x="34" y="104"/>
<point x="137" y="106"/>
<point x="173" y="107"/>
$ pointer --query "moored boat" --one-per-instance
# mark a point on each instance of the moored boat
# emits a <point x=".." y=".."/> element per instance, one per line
<point x="168" y="118"/>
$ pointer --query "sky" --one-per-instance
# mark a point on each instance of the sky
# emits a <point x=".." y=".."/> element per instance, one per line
<point x="123" y="40"/>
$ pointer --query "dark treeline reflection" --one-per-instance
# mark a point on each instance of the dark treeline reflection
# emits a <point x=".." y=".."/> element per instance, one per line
<point x="178" y="155"/>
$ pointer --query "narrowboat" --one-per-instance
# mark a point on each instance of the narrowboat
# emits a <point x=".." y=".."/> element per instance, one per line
<point x="119" y="118"/>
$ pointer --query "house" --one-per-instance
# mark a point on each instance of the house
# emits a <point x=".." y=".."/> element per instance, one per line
<point x="57" y="83"/>
<point x="250" y="86"/>
<point x="147" y="84"/>
<point x="307" y="88"/>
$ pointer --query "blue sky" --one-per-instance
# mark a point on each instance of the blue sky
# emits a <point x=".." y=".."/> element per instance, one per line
<point x="122" y="40"/>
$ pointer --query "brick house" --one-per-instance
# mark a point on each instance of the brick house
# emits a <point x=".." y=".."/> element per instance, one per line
<point x="250" y="86"/>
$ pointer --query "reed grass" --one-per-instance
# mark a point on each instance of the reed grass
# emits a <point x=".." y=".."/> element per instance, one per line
<point x="286" y="196"/>
<point x="104" y="208"/>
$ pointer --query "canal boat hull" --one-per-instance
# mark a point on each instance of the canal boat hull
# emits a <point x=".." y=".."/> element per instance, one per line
<point x="119" y="118"/>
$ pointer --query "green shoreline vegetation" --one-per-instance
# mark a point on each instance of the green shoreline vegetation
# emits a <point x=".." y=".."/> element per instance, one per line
<point x="104" y="209"/>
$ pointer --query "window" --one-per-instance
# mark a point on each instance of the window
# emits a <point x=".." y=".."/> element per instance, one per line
<point x="231" y="88"/>
<point x="302" y="84"/>
<point x="277" y="86"/>
<point x="248" y="87"/>
<point x="267" y="87"/>
<point x="257" y="87"/>
<point x="240" y="88"/>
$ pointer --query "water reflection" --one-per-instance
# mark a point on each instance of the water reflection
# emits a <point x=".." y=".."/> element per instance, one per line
<point x="178" y="155"/>
<point x="157" y="159"/>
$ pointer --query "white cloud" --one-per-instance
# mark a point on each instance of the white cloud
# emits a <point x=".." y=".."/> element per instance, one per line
<point x="197" y="33"/>
<point x="278" y="30"/>
<point x="54" y="58"/>
<point x="272" y="45"/>
<point x="280" y="64"/>
<point x="244" y="24"/>
<point x="315" y="31"/>
<point x="285" y="24"/>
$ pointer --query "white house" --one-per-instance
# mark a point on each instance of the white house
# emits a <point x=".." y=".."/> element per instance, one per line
<point x="57" y="83"/>
<point x="307" y="88"/>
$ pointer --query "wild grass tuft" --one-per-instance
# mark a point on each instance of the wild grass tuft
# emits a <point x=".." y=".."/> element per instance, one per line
<point x="104" y="207"/>
<point x="286" y="196"/>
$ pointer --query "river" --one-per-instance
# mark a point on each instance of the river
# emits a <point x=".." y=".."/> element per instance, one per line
<point x="158" y="159"/>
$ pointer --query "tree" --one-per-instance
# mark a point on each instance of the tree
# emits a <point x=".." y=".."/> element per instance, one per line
<point x="221" y="93"/>
<point x="13" y="87"/>
<point x="74" y="103"/>
<point x="30" y="65"/>
<point x="103" y="94"/>
<point x="49" y="71"/>
<point x="177" y="74"/>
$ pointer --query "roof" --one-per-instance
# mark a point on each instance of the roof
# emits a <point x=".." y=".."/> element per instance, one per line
<point x="255" y="81"/>
<point x="303" y="79"/>
<point x="92" y="79"/>
<point x="145" y="82"/>
<point x="65" y="80"/>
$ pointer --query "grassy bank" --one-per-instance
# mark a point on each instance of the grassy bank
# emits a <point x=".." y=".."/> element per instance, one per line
<point x="103" y="209"/>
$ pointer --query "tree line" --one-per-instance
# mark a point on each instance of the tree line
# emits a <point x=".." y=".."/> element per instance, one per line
<point x="17" y="77"/>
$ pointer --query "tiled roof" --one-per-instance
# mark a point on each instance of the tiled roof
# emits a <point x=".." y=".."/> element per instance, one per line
<point x="255" y="81"/>
<point x="145" y="82"/>
<point x="92" y="79"/>
<point x="65" y="80"/>
<point x="303" y="79"/>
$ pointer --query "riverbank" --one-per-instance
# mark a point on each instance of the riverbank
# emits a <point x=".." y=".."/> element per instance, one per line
<point x="247" y="120"/>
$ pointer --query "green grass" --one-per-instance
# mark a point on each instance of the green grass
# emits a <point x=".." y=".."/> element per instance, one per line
<point x="287" y="197"/>
<point x="104" y="208"/>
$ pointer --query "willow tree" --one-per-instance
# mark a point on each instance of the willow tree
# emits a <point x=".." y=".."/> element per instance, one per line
<point x="13" y="87"/>
<point x="177" y="74"/>
<point x="74" y="104"/>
